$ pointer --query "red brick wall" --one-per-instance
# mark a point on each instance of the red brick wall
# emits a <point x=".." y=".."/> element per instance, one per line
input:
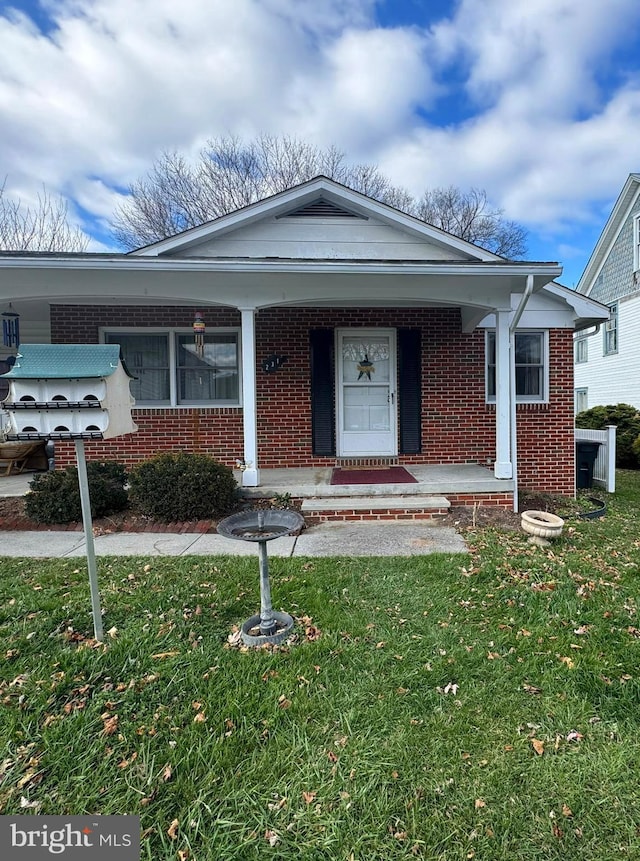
<point x="546" y="445"/>
<point x="458" y="426"/>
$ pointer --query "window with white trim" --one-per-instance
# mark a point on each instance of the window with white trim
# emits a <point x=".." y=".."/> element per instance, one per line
<point x="531" y="366"/>
<point x="636" y="243"/>
<point x="170" y="372"/>
<point x="581" y="350"/>
<point x="610" y="331"/>
<point x="581" y="400"/>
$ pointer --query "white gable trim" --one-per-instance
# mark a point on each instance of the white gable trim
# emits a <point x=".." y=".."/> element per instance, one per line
<point x="294" y="198"/>
<point x="626" y="201"/>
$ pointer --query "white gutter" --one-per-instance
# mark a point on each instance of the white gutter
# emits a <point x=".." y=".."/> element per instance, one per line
<point x="128" y="263"/>
<point x="528" y="290"/>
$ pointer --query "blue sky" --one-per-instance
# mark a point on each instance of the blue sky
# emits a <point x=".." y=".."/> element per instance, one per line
<point x="535" y="101"/>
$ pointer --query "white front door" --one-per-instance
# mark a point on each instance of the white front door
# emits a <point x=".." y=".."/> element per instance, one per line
<point x="366" y="392"/>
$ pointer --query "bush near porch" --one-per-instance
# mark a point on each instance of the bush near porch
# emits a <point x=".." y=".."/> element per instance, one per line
<point x="481" y="706"/>
<point x="627" y="421"/>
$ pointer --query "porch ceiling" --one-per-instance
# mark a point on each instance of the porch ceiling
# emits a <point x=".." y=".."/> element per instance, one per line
<point x="240" y="283"/>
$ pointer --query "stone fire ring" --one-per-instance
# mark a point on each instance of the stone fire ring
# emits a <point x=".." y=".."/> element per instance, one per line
<point x="284" y="628"/>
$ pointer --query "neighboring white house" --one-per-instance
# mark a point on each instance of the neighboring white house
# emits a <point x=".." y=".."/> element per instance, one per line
<point x="607" y="358"/>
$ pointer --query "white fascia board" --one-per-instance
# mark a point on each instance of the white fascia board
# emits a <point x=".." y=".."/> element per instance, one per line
<point x="610" y="232"/>
<point x="563" y="309"/>
<point x="542" y="272"/>
<point x="298" y="196"/>
<point x="583" y="306"/>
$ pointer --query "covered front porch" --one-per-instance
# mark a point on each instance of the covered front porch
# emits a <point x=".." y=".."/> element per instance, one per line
<point x="437" y="488"/>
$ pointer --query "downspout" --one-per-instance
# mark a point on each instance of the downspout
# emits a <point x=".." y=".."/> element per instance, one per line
<point x="528" y="290"/>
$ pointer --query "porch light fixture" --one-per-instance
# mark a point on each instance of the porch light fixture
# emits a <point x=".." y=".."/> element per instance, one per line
<point x="199" y="330"/>
<point x="10" y="328"/>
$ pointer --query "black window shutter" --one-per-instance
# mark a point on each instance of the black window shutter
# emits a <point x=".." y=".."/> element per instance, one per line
<point x="323" y="418"/>
<point x="410" y="390"/>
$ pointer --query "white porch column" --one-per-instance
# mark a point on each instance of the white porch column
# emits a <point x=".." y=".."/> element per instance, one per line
<point x="250" y="473"/>
<point x="503" y="467"/>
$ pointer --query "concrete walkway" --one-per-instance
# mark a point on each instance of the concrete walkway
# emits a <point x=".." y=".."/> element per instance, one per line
<point x="379" y="538"/>
<point x="365" y="538"/>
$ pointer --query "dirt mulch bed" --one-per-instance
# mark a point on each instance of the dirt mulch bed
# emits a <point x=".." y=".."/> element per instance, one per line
<point x="13" y="518"/>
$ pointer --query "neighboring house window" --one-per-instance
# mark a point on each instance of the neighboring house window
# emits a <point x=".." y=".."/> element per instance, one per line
<point x="611" y="331"/>
<point x="582" y="351"/>
<point x="531" y="366"/>
<point x="636" y="243"/>
<point x="581" y="400"/>
<point x="169" y="372"/>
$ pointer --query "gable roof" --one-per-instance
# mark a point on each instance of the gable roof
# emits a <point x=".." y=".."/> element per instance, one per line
<point x="65" y="361"/>
<point x="322" y="197"/>
<point x="623" y="205"/>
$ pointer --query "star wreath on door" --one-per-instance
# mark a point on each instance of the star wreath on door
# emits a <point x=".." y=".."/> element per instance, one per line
<point x="365" y="367"/>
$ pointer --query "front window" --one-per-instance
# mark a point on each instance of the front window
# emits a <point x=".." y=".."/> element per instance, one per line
<point x="169" y="370"/>
<point x="530" y="366"/>
<point x="611" y="332"/>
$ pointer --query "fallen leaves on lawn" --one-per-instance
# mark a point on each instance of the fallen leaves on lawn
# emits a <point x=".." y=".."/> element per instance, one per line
<point x="309" y="797"/>
<point x="574" y="735"/>
<point x="538" y="746"/>
<point x="531" y="689"/>
<point x="172" y="831"/>
<point x="449" y="688"/>
<point x="272" y="837"/>
<point x="109" y="723"/>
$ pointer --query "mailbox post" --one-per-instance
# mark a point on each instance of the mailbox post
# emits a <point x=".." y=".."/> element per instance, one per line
<point x="71" y="392"/>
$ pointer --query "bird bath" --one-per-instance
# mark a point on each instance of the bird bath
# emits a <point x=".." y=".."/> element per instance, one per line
<point x="261" y="526"/>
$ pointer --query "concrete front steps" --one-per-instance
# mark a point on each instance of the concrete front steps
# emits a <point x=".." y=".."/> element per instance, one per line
<point x="354" y="508"/>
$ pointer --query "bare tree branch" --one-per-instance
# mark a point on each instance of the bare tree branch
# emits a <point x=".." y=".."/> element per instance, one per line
<point x="230" y="174"/>
<point x="468" y="215"/>
<point x="43" y="228"/>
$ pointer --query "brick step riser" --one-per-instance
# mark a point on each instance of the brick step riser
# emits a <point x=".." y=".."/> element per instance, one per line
<point x="354" y="516"/>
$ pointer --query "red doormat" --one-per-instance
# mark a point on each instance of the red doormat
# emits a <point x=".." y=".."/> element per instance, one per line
<point x="389" y="475"/>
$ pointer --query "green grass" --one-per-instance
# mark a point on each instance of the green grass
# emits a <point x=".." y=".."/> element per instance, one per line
<point x="408" y="728"/>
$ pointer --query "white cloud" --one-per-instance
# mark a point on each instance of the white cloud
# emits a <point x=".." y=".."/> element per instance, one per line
<point x="536" y="111"/>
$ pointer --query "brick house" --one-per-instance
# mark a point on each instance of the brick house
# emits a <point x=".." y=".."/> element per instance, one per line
<point x="337" y="330"/>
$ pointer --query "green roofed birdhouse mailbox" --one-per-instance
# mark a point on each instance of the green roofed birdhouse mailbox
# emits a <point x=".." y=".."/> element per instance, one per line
<point x="71" y="392"/>
<point x="68" y="391"/>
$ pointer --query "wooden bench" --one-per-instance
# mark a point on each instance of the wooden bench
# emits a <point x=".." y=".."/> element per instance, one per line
<point x="18" y="455"/>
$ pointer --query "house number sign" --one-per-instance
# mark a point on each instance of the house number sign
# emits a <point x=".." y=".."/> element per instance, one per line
<point x="273" y="363"/>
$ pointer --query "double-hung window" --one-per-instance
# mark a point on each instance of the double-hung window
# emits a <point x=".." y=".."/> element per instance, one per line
<point x="636" y="243"/>
<point x="170" y="371"/>
<point x="531" y="366"/>
<point x="581" y="350"/>
<point x="610" y="332"/>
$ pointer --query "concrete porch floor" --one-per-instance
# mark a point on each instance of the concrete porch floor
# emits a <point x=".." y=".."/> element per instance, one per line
<point x="440" y="480"/>
<point x="310" y="483"/>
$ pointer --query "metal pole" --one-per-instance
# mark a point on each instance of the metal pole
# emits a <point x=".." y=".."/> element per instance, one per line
<point x="267" y="622"/>
<point x="83" y="482"/>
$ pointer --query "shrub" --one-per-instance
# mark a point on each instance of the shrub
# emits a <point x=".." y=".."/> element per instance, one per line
<point x="627" y="420"/>
<point x="179" y="486"/>
<point x="55" y="496"/>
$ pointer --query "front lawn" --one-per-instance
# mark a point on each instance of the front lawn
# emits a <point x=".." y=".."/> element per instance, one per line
<point x="438" y="707"/>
